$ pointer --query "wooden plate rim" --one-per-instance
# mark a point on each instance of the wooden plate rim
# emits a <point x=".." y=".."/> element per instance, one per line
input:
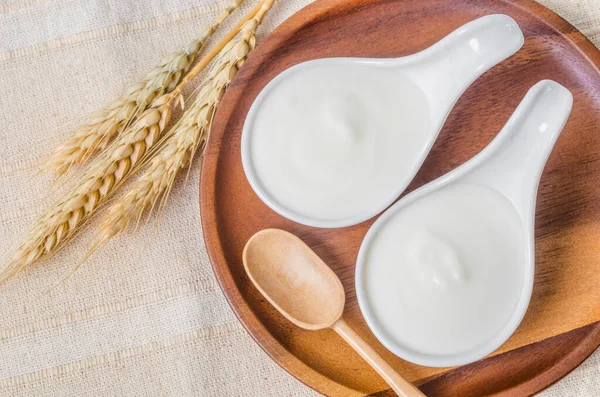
<point x="309" y="14"/>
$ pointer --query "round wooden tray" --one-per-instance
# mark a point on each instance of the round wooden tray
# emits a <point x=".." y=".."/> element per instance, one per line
<point x="231" y="212"/>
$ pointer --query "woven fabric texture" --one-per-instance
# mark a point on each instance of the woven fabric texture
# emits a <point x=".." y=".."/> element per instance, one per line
<point x="145" y="316"/>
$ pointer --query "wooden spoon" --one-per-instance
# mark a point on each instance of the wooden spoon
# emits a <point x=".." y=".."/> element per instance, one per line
<point x="309" y="294"/>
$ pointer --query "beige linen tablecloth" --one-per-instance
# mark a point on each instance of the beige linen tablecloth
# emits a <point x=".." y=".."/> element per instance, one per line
<point x="145" y="315"/>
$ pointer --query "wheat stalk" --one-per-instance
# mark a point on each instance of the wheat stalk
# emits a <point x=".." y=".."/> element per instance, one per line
<point x="62" y="221"/>
<point x="185" y="139"/>
<point x="117" y="116"/>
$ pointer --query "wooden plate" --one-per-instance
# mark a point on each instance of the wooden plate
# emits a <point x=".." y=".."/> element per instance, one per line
<point x="231" y="212"/>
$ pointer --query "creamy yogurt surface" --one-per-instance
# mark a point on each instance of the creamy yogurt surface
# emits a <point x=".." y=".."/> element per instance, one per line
<point x="443" y="275"/>
<point x="335" y="141"/>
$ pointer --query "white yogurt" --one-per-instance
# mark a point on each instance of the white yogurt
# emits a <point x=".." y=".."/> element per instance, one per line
<point x="444" y="274"/>
<point x="333" y="143"/>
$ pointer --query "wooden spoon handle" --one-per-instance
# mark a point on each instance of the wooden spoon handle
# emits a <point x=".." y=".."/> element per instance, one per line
<point x="401" y="386"/>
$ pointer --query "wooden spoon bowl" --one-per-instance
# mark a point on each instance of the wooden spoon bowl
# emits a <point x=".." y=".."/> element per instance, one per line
<point x="294" y="279"/>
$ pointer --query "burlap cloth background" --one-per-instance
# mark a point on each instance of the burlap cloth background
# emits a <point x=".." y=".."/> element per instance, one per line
<point x="144" y="316"/>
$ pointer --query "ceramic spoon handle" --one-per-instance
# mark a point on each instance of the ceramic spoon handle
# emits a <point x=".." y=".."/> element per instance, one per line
<point x="401" y="386"/>
<point x="513" y="162"/>
<point x="448" y="67"/>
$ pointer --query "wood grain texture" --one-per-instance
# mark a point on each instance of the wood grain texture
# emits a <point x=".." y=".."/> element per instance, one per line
<point x="567" y="283"/>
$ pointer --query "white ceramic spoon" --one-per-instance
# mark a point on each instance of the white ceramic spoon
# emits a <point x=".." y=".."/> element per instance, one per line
<point x="511" y="165"/>
<point x="442" y="72"/>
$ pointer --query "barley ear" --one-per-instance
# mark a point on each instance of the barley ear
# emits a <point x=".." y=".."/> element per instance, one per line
<point x="64" y="219"/>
